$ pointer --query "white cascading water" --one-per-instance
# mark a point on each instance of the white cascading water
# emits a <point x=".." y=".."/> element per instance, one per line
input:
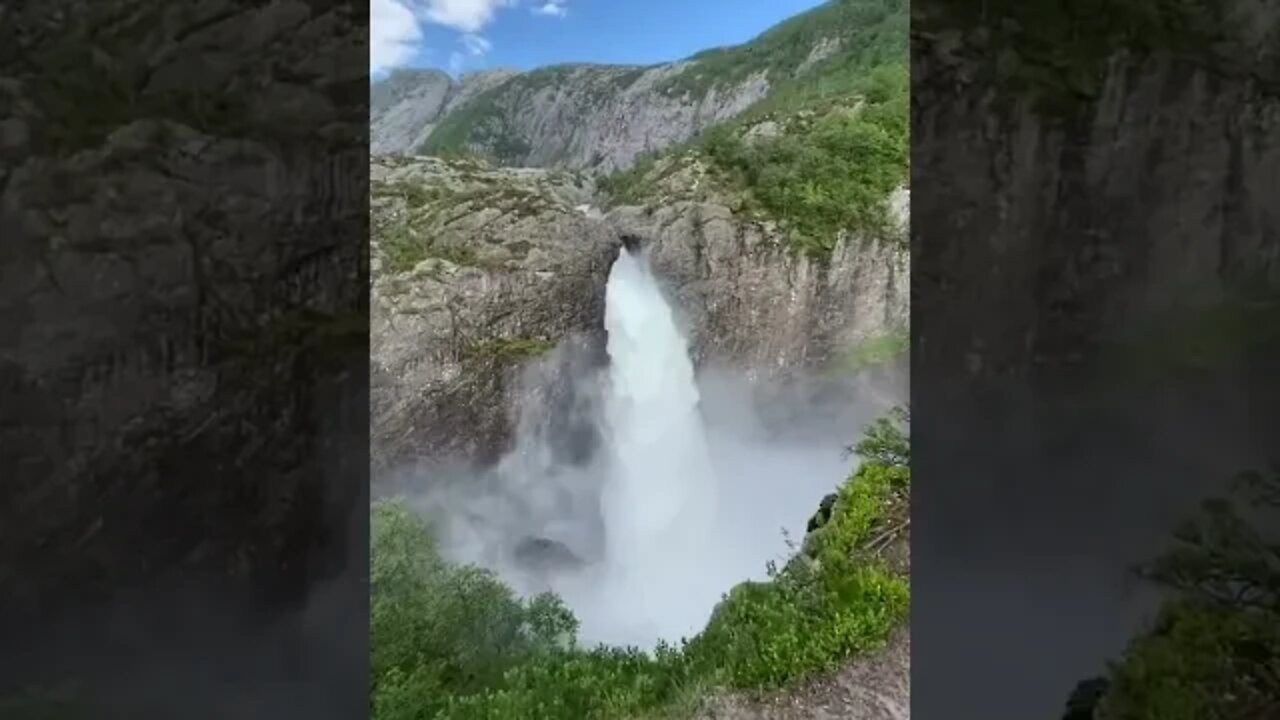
<point x="683" y="498"/>
<point x="659" y="498"/>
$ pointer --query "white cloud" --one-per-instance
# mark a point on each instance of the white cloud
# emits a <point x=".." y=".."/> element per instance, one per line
<point x="394" y="34"/>
<point x="468" y="16"/>
<point x="475" y="44"/>
<point x="554" y="8"/>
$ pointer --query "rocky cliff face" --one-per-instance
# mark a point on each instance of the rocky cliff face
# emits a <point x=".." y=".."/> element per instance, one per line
<point x="478" y="269"/>
<point x="153" y="322"/>
<point x="1073" y="262"/>
<point x="475" y="271"/>
<point x="406" y="106"/>
<point x="575" y="116"/>
<point x="749" y="301"/>
<point x="1096" y="258"/>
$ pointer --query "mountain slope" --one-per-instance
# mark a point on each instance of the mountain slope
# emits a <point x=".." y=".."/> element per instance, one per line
<point x="602" y="117"/>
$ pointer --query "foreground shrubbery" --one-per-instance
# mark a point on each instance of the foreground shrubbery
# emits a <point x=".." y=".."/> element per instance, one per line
<point x="455" y="642"/>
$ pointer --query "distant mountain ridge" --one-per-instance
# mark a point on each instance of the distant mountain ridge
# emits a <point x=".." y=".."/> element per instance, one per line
<point x="407" y="104"/>
<point x="601" y="117"/>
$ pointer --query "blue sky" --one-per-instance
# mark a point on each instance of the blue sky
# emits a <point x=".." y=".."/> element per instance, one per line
<point x="461" y="35"/>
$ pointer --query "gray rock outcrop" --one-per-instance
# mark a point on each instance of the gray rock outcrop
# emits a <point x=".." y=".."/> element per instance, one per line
<point x="749" y="301"/>
<point x="407" y="105"/>
<point x="143" y="309"/>
<point x="574" y="116"/>
<point x="508" y="263"/>
<point x="1077" y="264"/>
<point x="182" y="362"/>
<point x="505" y="268"/>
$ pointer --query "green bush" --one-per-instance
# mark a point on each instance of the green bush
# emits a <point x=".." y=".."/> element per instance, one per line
<point x="1202" y="662"/>
<point x="435" y="626"/>
<point x="834" y="174"/>
<point x="455" y="642"/>
<point x="1213" y="652"/>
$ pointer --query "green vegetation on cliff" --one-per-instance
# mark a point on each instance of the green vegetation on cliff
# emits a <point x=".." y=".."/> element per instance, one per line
<point x="409" y="218"/>
<point x="454" y="641"/>
<point x="479" y="123"/>
<point x="831" y="168"/>
<point x="872" y="30"/>
<point x="839" y="142"/>
<point x="505" y="351"/>
<point x="830" y="174"/>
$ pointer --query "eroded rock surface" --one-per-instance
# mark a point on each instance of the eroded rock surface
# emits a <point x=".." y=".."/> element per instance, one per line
<point x="162" y="263"/>
<point x="476" y="270"/>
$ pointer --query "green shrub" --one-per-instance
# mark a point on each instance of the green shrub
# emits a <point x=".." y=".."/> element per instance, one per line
<point x="435" y="626"/>
<point x="835" y="175"/>
<point x="840" y="600"/>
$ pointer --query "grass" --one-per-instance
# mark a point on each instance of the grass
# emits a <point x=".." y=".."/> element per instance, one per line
<point x="104" y="58"/>
<point x="1200" y="662"/>
<point x="415" y="194"/>
<point x="455" y="642"/>
<point x="299" y="328"/>
<point x="1190" y="339"/>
